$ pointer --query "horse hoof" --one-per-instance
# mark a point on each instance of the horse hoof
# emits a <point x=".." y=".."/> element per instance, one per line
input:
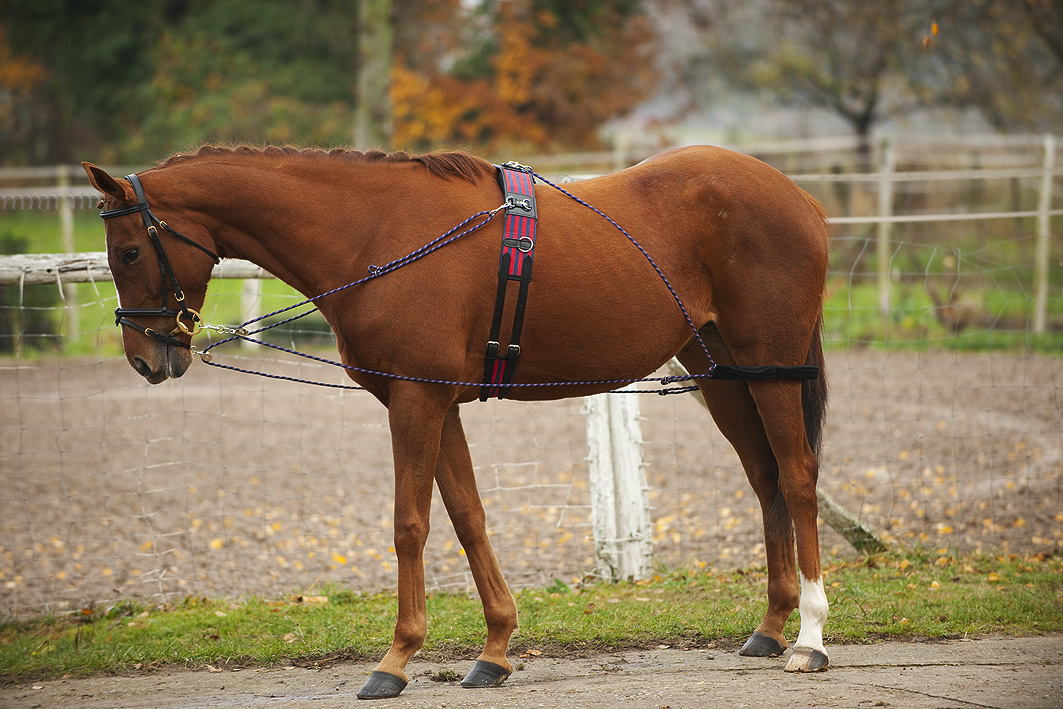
<point x="760" y="645"/>
<point x="807" y="659"/>
<point x="485" y="674"/>
<point x="382" y="685"/>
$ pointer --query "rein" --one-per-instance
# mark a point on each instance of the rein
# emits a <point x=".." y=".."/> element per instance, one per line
<point x="715" y="371"/>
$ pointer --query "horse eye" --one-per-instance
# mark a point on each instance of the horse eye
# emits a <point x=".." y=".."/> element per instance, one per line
<point x="130" y="255"/>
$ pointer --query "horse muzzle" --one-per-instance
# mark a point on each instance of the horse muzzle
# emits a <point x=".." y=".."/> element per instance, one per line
<point x="161" y="362"/>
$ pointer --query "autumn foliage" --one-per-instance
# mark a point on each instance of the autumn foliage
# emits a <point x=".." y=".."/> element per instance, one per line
<point x="533" y="81"/>
<point x="20" y="77"/>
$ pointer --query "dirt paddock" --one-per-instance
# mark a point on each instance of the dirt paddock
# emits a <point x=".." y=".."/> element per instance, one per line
<point x="225" y="484"/>
<point x="994" y="673"/>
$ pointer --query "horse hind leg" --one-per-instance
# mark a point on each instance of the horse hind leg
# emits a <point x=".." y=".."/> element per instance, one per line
<point x="735" y="413"/>
<point x="780" y="405"/>
<point x="792" y="413"/>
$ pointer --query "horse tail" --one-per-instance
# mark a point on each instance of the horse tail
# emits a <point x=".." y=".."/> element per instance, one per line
<point x="814" y="391"/>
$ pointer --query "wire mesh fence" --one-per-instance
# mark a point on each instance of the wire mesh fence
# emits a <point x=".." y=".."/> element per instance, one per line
<point x="944" y="430"/>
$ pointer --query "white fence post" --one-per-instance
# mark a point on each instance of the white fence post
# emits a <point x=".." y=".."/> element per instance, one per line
<point x="250" y="304"/>
<point x="69" y="291"/>
<point x="887" y="164"/>
<point x="620" y="506"/>
<point x="1040" y="262"/>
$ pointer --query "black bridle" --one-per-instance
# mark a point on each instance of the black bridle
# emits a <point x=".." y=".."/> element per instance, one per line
<point x="122" y="315"/>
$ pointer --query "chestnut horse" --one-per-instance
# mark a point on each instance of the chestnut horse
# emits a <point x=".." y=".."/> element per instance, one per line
<point x="730" y="238"/>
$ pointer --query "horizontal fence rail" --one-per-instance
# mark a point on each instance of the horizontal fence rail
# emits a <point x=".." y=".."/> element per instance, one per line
<point x="90" y="267"/>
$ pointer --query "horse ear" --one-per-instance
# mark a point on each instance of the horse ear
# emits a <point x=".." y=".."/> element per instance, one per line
<point x="103" y="182"/>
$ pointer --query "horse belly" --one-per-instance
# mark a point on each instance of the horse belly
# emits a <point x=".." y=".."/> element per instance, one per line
<point x="596" y="332"/>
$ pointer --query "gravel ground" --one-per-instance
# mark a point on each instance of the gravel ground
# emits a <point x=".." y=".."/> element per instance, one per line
<point x="1003" y="673"/>
<point x="225" y="484"/>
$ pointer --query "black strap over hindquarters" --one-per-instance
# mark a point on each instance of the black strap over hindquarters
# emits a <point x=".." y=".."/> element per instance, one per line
<point x="759" y="374"/>
<point x="515" y="264"/>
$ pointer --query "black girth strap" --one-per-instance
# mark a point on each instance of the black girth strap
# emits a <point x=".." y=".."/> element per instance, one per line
<point x="515" y="264"/>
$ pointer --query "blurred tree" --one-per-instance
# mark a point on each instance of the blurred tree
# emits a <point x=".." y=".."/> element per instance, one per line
<point x="519" y="74"/>
<point x="871" y="61"/>
<point x="22" y="98"/>
<point x="1006" y="60"/>
<point x="848" y="57"/>
<point x="251" y="71"/>
<point x="96" y="57"/>
<point x="138" y="83"/>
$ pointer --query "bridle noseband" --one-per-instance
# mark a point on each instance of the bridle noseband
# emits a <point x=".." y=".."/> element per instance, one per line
<point x="122" y="315"/>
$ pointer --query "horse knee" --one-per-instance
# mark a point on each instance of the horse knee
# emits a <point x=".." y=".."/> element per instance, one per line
<point x="410" y="537"/>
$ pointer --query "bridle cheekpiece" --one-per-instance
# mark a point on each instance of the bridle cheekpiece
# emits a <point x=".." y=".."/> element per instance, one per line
<point x="122" y="315"/>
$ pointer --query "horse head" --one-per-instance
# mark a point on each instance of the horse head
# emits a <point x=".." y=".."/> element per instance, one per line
<point x="160" y="274"/>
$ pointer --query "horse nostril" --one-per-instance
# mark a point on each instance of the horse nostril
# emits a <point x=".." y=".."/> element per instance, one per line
<point x="142" y="367"/>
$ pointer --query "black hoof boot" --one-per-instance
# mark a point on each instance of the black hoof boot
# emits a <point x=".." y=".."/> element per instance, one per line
<point x="382" y="685"/>
<point x="760" y="645"/>
<point x="485" y="674"/>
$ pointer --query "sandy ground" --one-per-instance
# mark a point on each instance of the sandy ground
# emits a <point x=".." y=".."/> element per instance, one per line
<point x="1004" y="673"/>
<point x="225" y="484"/>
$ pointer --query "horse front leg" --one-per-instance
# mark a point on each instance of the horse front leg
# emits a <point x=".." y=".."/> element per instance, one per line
<point x="457" y="487"/>
<point x="416" y="422"/>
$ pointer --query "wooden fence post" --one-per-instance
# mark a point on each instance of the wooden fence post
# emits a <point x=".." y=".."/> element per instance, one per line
<point x="620" y="506"/>
<point x="69" y="291"/>
<point x="250" y="305"/>
<point x="372" y="108"/>
<point x="887" y="164"/>
<point x="1044" y="204"/>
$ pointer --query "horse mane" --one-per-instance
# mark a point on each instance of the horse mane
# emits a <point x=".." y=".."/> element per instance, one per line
<point x="446" y="165"/>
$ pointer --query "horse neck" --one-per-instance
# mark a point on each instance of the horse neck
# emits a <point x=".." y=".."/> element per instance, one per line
<point x="290" y="222"/>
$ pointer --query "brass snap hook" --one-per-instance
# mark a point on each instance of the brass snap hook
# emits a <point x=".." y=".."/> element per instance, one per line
<point x="197" y="323"/>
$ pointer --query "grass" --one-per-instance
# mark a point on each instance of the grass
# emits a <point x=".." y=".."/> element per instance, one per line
<point x="918" y="594"/>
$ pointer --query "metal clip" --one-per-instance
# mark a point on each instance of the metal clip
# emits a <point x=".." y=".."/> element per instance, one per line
<point x="204" y="356"/>
<point x="197" y="322"/>
<point x="514" y="165"/>
<point x="513" y="202"/>
<point x="222" y="330"/>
